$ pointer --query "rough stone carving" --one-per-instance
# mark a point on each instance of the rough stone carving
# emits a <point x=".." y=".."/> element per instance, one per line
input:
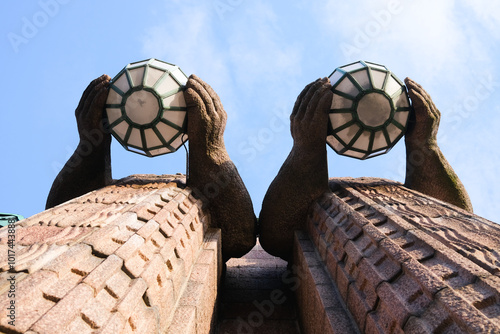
<point x="212" y="172"/>
<point x="304" y="175"/>
<point x="212" y="175"/>
<point x="139" y="256"/>
<point x="400" y="261"/>
<point x="427" y="170"/>
<point x="303" y="178"/>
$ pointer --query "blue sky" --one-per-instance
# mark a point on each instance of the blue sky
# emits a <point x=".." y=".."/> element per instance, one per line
<point x="258" y="56"/>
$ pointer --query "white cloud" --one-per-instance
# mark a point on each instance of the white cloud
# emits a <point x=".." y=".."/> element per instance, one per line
<point x="186" y="37"/>
<point x="430" y="40"/>
<point x="259" y="53"/>
<point x="487" y="13"/>
<point x="254" y="63"/>
<point x="236" y="51"/>
<point x="450" y="47"/>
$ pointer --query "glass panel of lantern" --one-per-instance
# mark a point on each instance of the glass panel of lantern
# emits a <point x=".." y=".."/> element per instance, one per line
<point x="146" y="109"/>
<point x="369" y="111"/>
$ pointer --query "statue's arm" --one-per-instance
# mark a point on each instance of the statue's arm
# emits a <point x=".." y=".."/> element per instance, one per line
<point x="303" y="177"/>
<point x="212" y="174"/>
<point x="89" y="167"/>
<point x="427" y="170"/>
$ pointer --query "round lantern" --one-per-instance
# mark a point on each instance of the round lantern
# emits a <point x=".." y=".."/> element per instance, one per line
<point x="146" y="109"/>
<point x="369" y="112"/>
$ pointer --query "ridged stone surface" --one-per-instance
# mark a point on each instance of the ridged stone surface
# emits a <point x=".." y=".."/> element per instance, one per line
<point x="402" y="262"/>
<point x="135" y="257"/>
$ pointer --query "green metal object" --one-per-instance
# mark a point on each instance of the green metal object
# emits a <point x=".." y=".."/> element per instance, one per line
<point x="369" y="112"/>
<point x="8" y="218"/>
<point x="146" y="109"/>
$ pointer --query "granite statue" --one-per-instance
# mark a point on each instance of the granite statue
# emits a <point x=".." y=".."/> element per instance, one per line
<point x="211" y="174"/>
<point x="303" y="177"/>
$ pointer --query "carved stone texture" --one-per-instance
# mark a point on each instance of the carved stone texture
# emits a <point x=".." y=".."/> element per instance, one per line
<point x="127" y="258"/>
<point x="405" y="262"/>
<point x="321" y="307"/>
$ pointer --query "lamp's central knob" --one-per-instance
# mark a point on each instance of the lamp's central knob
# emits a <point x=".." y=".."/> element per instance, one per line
<point x="142" y="107"/>
<point x="374" y="109"/>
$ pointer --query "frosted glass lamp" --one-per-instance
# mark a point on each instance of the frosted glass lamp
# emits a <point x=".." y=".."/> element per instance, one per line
<point x="146" y="109"/>
<point x="369" y="111"/>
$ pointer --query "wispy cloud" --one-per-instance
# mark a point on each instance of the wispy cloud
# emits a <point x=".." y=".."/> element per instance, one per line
<point x="188" y="39"/>
<point x="487" y="14"/>
<point x="431" y="40"/>
<point x="246" y="53"/>
<point x="245" y="56"/>
<point x="450" y="48"/>
<point x="259" y="50"/>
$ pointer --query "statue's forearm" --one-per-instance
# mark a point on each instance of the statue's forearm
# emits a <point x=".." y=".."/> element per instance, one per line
<point x="214" y="178"/>
<point x="88" y="169"/>
<point x="428" y="171"/>
<point x="302" y="179"/>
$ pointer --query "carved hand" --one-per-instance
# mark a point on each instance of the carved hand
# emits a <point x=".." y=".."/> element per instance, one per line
<point x="212" y="174"/>
<point x="89" y="167"/>
<point x="90" y="111"/>
<point x="424" y="122"/>
<point x="303" y="177"/>
<point x="309" y="119"/>
<point x="206" y="118"/>
<point x="427" y="170"/>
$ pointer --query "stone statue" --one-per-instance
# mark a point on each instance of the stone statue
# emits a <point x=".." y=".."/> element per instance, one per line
<point x="89" y="167"/>
<point x="303" y="178"/>
<point x="427" y="170"/>
<point x="212" y="174"/>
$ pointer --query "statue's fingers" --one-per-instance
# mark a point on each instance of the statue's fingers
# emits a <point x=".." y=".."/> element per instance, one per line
<point x="299" y="99"/>
<point x="198" y="86"/>
<point x="417" y="98"/>
<point x="215" y="98"/>
<point x="195" y="104"/>
<point x="84" y="112"/>
<point x="88" y="91"/>
<point x="324" y="105"/>
<point x="99" y="100"/>
<point x="307" y="98"/>
<point x="313" y="108"/>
